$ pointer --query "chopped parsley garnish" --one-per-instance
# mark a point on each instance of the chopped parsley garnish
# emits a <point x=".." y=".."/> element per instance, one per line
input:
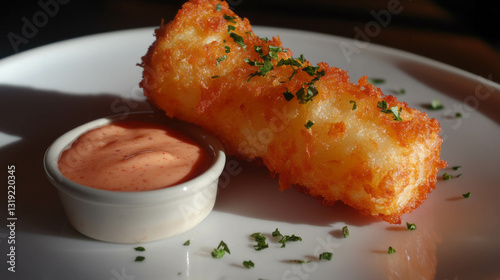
<point x="326" y="256"/>
<point x="220" y="251"/>
<point x="391" y="250"/>
<point x="466" y="195"/>
<point x="458" y="115"/>
<point x="238" y="39"/>
<point x="311" y="70"/>
<point x="265" y="66"/>
<point x="354" y="106"/>
<point x="376" y="81"/>
<point x="216" y="76"/>
<point x="220" y="59"/>
<point x="248" y="264"/>
<point x="187" y="243"/>
<point x="411" y="226"/>
<point x="140" y="249"/>
<point x="140" y="258"/>
<point x="227" y="49"/>
<point x="273" y="52"/>
<point x="397" y="113"/>
<point x="288" y="95"/>
<point x="306" y="95"/>
<point x="285" y="238"/>
<point x="292" y="62"/>
<point x="456" y="167"/>
<point x="289" y="61"/>
<point x="345" y="231"/>
<point x="382" y="105"/>
<point x="301" y="58"/>
<point x="218" y="7"/>
<point x="261" y="241"/>
<point x="393" y="110"/>
<point x="229" y="18"/>
<point x="309" y="124"/>
<point x="434" y="105"/>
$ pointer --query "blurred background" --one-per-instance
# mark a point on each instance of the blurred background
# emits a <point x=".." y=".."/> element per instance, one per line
<point x="462" y="33"/>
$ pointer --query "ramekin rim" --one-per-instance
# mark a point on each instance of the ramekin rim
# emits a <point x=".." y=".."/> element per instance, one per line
<point x="200" y="182"/>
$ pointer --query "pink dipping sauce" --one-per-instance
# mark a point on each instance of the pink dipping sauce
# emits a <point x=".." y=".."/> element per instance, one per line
<point x="133" y="156"/>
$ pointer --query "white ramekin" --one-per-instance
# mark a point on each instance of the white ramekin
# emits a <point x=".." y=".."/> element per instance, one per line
<point x="136" y="217"/>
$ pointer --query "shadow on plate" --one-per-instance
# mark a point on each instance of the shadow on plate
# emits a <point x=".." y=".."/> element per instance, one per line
<point x="38" y="117"/>
<point x="254" y="193"/>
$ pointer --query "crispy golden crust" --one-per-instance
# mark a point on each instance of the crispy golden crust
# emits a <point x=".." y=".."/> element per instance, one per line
<point x="363" y="157"/>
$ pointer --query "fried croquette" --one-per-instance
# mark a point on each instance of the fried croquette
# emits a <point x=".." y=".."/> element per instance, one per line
<point x="307" y="124"/>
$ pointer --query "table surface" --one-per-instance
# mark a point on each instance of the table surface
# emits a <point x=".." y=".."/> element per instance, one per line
<point x="459" y="38"/>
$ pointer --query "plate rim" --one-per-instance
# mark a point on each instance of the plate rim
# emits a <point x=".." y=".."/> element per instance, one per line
<point x="390" y="51"/>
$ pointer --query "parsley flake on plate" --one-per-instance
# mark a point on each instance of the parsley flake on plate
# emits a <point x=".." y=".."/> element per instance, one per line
<point x="285" y="238"/>
<point x="261" y="241"/>
<point x="398" y="92"/>
<point x="447" y="176"/>
<point x="434" y="105"/>
<point x="411" y="226"/>
<point x="140" y="249"/>
<point x="376" y="81"/>
<point x="140" y="258"/>
<point x="345" y="231"/>
<point x="391" y="250"/>
<point x="300" y="261"/>
<point x="221" y="250"/>
<point x="248" y="264"/>
<point x="466" y="195"/>
<point x="326" y="256"/>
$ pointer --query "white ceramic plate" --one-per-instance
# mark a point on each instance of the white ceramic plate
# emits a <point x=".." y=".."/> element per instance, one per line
<point x="47" y="91"/>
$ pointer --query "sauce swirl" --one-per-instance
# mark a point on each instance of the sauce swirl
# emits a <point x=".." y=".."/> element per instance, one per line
<point x="133" y="156"/>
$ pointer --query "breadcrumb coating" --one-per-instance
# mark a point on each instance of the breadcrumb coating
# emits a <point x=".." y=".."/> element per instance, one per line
<point x="362" y="147"/>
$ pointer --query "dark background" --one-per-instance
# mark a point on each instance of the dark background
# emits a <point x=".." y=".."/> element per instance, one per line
<point x="464" y="34"/>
